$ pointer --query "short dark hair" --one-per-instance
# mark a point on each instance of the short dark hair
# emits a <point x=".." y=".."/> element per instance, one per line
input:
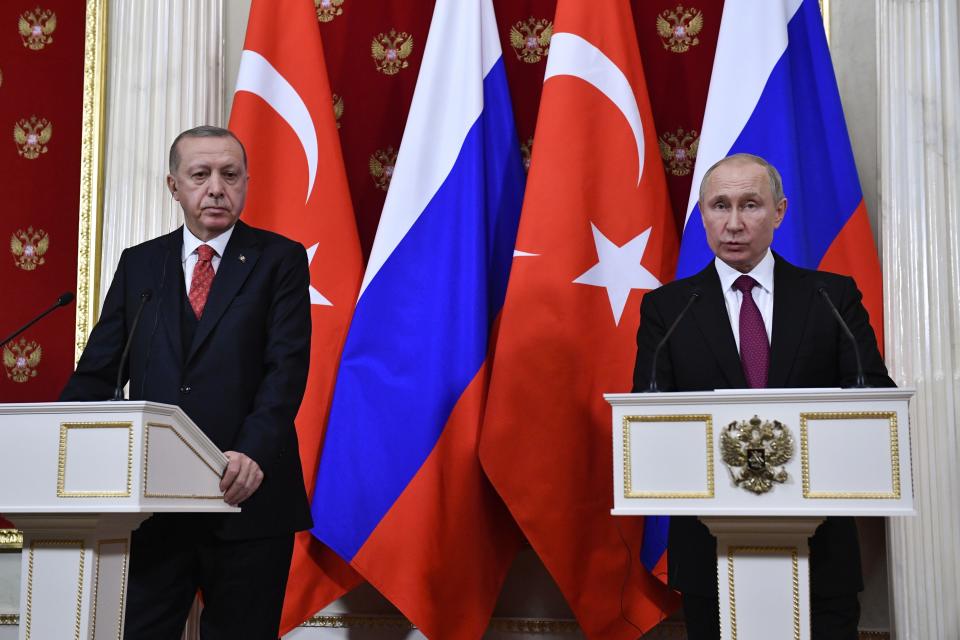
<point x="776" y="182"/>
<point x="203" y="131"/>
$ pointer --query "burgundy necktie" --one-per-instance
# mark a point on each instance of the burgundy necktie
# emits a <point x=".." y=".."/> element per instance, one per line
<point x="754" y="345"/>
<point x="202" y="279"/>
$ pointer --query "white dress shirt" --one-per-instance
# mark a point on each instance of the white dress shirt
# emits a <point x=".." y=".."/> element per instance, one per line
<point x="189" y="257"/>
<point x="762" y="295"/>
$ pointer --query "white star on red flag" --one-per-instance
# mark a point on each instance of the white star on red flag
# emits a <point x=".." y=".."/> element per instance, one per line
<point x="618" y="269"/>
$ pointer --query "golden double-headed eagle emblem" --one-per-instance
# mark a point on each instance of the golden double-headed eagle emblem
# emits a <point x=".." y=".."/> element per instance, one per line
<point x="327" y="10"/>
<point x="531" y="39"/>
<point x="755" y="452"/>
<point x="28" y="248"/>
<point x="337" y="108"/>
<point x="679" y="150"/>
<point x="526" y="153"/>
<point x="36" y="28"/>
<point x="678" y="29"/>
<point x="391" y="50"/>
<point x="20" y="358"/>
<point x="381" y="167"/>
<point x="32" y="136"/>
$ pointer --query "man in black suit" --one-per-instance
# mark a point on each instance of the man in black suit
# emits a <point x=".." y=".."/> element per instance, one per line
<point x="226" y="336"/>
<point x="782" y="336"/>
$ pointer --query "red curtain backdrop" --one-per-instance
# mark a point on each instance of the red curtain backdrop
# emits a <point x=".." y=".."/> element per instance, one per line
<point x="41" y="99"/>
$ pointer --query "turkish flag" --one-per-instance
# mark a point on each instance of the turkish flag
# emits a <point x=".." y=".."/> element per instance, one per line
<point x="596" y="232"/>
<point x="283" y="113"/>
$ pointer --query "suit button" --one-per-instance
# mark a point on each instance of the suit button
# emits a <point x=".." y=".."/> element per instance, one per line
<point x="185" y="389"/>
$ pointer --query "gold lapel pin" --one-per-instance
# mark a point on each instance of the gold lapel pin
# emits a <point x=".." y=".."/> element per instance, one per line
<point x="243" y="258"/>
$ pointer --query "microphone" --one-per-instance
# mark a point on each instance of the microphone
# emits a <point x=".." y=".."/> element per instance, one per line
<point x="144" y="298"/>
<point x="652" y="388"/>
<point x="156" y="323"/>
<point x="62" y="301"/>
<point x="860" y="382"/>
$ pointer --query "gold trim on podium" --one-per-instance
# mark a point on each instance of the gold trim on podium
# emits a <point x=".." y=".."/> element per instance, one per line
<point x="62" y="464"/>
<point x="628" y="491"/>
<point x="890" y="416"/>
<point x="96" y="583"/>
<point x="794" y="557"/>
<point x="146" y="464"/>
<point x="52" y="544"/>
<point x="11" y="539"/>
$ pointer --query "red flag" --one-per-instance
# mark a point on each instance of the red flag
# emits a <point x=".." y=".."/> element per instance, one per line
<point x="596" y="232"/>
<point x="283" y="113"/>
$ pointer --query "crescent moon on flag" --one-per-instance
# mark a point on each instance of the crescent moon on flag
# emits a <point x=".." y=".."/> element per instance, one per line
<point x="571" y="55"/>
<point x="259" y="77"/>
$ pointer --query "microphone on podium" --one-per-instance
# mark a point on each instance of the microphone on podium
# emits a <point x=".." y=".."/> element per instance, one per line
<point x="652" y="387"/>
<point x="860" y="382"/>
<point x="144" y="298"/>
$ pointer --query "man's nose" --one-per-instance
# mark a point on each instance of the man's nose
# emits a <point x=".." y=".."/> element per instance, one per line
<point x="215" y="186"/>
<point x="734" y="221"/>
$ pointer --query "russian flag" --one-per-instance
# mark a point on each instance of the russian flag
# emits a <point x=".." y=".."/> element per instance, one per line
<point x="400" y="493"/>
<point x="773" y="93"/>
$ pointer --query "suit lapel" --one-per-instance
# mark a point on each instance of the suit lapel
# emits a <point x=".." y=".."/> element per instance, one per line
<point x="171" y="289"/>
<point x="792" y="292"/>
<point x="236" y="264"/>
<point x="711" y="316"/>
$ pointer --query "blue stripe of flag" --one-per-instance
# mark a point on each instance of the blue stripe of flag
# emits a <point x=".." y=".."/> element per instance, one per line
<point x="420" y="330"/>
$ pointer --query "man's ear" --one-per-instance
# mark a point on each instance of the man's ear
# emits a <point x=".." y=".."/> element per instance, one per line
<point x="781" y="212"/>
<point x="172" y="186"/>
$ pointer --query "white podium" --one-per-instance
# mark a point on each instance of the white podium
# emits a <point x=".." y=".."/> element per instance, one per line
<point x="77" y="478"/>
<point x="762" y="468"/>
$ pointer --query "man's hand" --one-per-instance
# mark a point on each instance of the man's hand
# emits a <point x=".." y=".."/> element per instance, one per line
<point x="240" y="479"/>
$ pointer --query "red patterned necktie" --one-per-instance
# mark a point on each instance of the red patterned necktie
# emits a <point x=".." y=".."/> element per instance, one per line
<point x="754" y="344"/>
<point x="202" y="279"/>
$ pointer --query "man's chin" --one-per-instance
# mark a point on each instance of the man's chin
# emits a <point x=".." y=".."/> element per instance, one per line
<point x="739" y="260"/>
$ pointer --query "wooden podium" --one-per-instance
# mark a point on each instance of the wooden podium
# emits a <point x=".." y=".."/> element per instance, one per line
<point x="77" y="478"/>
<point x="762" y="468"/>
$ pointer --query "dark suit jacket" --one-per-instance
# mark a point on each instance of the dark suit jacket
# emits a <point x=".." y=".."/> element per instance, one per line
<point x="808" y="349"/>
<point x="241" y="379"/>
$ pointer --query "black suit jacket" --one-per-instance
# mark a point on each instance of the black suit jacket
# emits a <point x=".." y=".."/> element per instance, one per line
<point x="807" y="349"/>
<point x="243" y="376"/>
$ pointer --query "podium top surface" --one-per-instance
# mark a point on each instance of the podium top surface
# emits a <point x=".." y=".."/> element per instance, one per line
<point x="102" y="406"/>
<point x="735" y="396"/>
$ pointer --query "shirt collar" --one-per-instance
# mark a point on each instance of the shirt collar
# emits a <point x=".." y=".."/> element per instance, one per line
<point x="762" y="273"/>
<point x="191" y="242"/>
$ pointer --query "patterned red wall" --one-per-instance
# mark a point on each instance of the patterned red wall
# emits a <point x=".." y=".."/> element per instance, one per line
<point x="41" y="91"/>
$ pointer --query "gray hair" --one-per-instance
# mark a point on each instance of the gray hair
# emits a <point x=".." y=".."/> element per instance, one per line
<point x="776" y="182"/>
<point x="203" y="131"/>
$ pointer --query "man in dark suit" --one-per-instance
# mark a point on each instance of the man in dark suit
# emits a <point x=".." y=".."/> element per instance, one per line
<point x="759" y="322"/>
<point x="226" y="336"/>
